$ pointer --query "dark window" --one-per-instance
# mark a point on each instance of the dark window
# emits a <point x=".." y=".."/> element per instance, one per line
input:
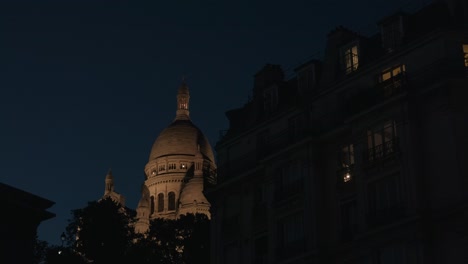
<point x="152" y="204"/>
<point x="290" y="179"/>
<point x="348" y="219"/>
<point x="291" y="235"/>
<point x="261" y="144"/>
<point x="306" y="78"/>
<point x="381" y="140"/>
<point x="392" y="33"/>
<point x="261" y="250"/>
<point x="270" y="99"/>
<point x="386" y="201"/>
<point x="232" y="254"/>
<point x="160" y="202"/>
<point x="296" y="128"/>
<point x="171" y="199"/>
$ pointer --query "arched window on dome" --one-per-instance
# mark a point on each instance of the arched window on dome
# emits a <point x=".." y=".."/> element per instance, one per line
<point x="171" y="201"/>
<point x="152" y="204"/>
<point x="183" y="104"/>
<point x="160" y="202"/>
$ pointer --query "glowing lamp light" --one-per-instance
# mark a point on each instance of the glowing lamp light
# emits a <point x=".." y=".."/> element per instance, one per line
<point x="347" y="177"/>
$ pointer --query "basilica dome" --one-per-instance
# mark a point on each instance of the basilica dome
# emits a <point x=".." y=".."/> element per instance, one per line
<point x="181" y="137"/>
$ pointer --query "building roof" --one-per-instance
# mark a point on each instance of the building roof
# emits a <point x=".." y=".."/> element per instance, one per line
<point x="181" y="137"/>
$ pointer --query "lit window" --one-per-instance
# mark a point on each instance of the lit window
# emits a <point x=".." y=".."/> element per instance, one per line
<point x="381" y="140"/>
<point x="183" y="103"/>
<point x="465" y="52"/>
<point x="153" y="173"/>
<point x="346" y="160"/>
<point x="392" y="79"/>
<point x="183" y="166"/>
<point x="391" y="73"/>
<point x="350" y="58"/>
<point x="347" y="156"/>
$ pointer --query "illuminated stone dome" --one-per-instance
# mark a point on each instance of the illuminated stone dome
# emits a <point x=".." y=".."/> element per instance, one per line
<point x="181" y="161"/>
<point x="181" y="137"/>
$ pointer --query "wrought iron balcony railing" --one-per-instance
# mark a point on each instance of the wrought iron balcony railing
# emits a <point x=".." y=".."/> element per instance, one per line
<point x="382" y="151"/>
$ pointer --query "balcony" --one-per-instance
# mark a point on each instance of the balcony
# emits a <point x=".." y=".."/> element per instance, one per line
<point x="392" y="86"/>
<point x="382" y="152"/>
<point x="379" y="93"/>
<point x="277" y="142"/>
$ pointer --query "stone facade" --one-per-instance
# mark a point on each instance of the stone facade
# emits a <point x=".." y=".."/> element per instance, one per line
<point x="359" y="157"/>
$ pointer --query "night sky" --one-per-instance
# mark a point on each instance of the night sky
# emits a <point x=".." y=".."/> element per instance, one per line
<point x="88" y="85"/>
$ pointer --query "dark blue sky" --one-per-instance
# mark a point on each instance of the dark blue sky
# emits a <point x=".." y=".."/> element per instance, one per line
<point x="88" y="85"/>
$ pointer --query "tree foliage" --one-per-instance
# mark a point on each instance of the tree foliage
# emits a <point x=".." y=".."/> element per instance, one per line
<point x="103" y="232"/>
<point x="184" y="240"/>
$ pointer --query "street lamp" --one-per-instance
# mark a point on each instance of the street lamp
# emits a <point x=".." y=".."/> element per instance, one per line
<point x="62" y="237"/>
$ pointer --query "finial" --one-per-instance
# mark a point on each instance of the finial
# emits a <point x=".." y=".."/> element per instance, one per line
<point x="109" y="174"/>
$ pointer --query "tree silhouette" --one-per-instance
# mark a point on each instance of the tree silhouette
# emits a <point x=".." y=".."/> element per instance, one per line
<point x="101" y="232"/>
<point x="183" y="240"/>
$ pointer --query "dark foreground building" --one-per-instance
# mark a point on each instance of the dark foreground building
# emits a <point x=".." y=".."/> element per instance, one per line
<point x="22" y="214"/>
<point x="360" y="158"/>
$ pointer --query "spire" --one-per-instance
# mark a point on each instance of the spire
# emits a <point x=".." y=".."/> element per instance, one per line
<point x="183" y="98"/>
<point x="109" y="182"/>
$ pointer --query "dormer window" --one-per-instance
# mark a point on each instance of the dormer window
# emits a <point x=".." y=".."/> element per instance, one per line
<point x="306" y="78"/>
<point x="350" y="58"/>
<point x="392" y="31"/>
<point x="270" y="99"/>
